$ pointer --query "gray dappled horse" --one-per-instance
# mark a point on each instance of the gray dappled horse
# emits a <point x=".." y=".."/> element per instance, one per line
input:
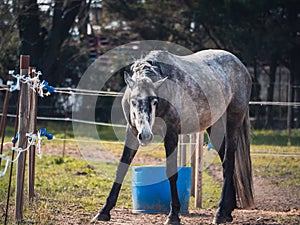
<point x="208" y="90"/>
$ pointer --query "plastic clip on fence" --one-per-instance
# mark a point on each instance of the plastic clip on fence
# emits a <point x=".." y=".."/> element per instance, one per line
<point x="14" y="87"/>
<point x="15" y="139"/>
<point x="47" y="87"/>
<point x="43" y="133"/>
<point x="33" y="82"/>
<point x="31" y="141"/>
<point x="32" y="138"/>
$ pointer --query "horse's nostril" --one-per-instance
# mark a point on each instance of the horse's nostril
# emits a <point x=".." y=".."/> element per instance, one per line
<point x="140" y="136"/>
<point x="145" y="137"/>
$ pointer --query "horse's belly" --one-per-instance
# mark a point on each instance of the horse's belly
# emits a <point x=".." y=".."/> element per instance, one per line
<point x="195" y="123"/>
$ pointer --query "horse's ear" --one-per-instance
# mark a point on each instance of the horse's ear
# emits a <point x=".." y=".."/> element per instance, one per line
<point x="158" y="83"/>
<point x="128" y="80"/>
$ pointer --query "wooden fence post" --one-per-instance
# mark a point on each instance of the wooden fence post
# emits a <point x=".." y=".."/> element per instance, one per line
<point x="193" y="161"/>
<point x="179" y="149"/>
<point x="183" y="142"/>
<point x="22" y="140"/>
<point x="289" y="112"/>
<point x="12" y="164"/>
<point x="198" y="169"/>
<point x="3" y="120"/>
<point x="32" y="129"/>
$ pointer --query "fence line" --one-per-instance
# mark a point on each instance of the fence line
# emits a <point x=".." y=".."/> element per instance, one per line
<point x="253" y="152"/>
<point x="293" y="154"/>
<point x="297" y="104"/>
<point x="78" y="91"/>
<point x="67" y="119"/>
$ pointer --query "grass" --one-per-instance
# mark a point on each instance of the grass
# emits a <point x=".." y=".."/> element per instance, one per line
<point x="211" y="192"/>
<point x="281" y="165"/>
<point x="275" y="137"/>
<point x="66" y="185"/>
<point x="68" y="182"/>
<point x="283" y="171"/>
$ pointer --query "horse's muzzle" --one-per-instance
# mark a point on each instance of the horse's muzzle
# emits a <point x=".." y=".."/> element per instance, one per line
<point x="145" y="137"/>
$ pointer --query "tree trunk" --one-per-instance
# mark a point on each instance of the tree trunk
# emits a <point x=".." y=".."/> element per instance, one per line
<point x="44" y="52"/>
<point x="29" y="29"/>
<point x="63" y="19"/>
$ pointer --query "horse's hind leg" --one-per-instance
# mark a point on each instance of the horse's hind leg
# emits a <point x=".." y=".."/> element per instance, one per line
<point x="228" y="197"/>
<point x="221" y="136"/>
<point x="170" y="141"/>
<point x="130" y="149"/>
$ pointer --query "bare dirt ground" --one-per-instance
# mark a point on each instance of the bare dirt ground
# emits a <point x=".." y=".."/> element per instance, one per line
<point x="274" y="204"/>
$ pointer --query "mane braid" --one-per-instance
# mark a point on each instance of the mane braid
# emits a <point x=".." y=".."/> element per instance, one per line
<point x="143" y="68"/>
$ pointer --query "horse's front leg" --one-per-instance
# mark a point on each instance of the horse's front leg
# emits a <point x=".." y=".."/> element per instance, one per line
<point x="171" y="141"/>
<point x="130" y="149"/>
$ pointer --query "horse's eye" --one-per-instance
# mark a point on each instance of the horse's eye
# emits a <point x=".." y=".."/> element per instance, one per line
<point x="133" y="103"/>
<point x="154" y="102"/>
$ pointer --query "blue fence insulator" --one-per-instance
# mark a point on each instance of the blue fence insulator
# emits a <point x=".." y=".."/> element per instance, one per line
<point x="47" y="87"/>
<point x="43" y="133"/>
<point x="15" y="139"/>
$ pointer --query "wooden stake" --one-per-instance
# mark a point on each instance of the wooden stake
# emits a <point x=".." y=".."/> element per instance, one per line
<point x="22" y="140"/>
<point x="193" y="161"/>
<point x="3" y="120"/>
<point x="12" y="164"/>
<point x="32" y="129"/>
<point x="182" y="150"/>
<point x="199" y="166"/>
<point x="289" y="112"/>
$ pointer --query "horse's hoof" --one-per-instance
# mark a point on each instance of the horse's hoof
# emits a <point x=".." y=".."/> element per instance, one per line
<point x="101" y="216"/>
<point x="222" y="219"/>
<point x="174" y="220"/>
<point x="229" y="218"/>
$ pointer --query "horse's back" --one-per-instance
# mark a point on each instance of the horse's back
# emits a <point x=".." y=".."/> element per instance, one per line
<point x="210" y="80"/>
<point x="217" y="60"/>
<point x="207" y="64"/>
<point x="229" y="72"/>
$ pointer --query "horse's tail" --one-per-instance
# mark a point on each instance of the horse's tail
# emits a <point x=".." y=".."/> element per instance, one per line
<point x="243" y="169"/>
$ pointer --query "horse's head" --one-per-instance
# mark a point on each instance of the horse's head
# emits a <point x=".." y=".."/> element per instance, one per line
<point x="143" y="100"/>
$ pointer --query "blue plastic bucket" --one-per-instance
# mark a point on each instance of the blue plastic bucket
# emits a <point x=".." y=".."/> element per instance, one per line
<point x="151" y="190"/>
